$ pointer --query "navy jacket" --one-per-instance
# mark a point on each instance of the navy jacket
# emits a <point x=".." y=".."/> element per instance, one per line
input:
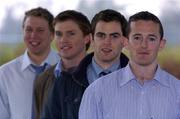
<point x="65" y="97"/>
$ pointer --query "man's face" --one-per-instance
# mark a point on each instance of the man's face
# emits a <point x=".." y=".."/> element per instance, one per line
<point x="144" y="42"/>
<point x="37" y="35"/>
<point x="70" y="40"/>
<point x="108" y="41"/>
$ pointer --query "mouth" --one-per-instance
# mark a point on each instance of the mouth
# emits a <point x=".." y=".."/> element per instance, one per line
<point x="143" y="53"/>
<point x="106" y="50"/>
<point x="65" y="47"/>
<point x="34" y="43"/>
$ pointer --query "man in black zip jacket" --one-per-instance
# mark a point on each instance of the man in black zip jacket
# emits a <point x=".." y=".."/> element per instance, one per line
<point x="109" y="31"/>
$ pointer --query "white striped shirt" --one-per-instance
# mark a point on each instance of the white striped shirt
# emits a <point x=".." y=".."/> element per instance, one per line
<point x="120" y="96"/>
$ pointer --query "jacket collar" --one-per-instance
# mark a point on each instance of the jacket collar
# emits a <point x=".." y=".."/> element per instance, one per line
<point x="80" y="75"/>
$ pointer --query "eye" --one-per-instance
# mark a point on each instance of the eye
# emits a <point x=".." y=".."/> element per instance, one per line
<point x="137" y="38"/>
<point x="28" y="30"/>
<point x="40" y="30"/>
<point x="58" y="33"/>
<point x="152" y="39"/>
<point x="115" y="36"/>
<point x="100" y="35"/>
<point x="71" y="33"/>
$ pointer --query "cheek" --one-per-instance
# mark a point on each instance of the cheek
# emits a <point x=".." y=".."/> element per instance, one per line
<point x="57" y="44"/>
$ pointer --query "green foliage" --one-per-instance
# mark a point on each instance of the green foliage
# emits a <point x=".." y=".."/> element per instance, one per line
<point x="169" y="58"/>
<point x="9" y="51"/>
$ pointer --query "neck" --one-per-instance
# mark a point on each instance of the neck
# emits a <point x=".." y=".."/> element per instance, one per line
<point x="72" y="62"/>
<point x="38" y="58"/>
<point x="105" y="64"/>
<point x="143" y="72"/>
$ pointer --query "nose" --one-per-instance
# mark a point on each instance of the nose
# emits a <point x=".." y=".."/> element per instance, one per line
<point x="63" y="38"/>
<point x="144" y="43"/>
<point x="33" y="34"/>
<point x="107" y="40"/>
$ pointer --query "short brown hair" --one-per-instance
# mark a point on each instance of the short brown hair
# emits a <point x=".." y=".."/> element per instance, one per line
<point x="40" y="12"/>
<point x="109" y="15"/>
<point x="79" y="18"/>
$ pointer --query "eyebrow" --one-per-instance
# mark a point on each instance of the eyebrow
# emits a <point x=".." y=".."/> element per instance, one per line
<point x="115" y="33"/>
<point x="138" y="34"/>
<point x="152" y="35"/>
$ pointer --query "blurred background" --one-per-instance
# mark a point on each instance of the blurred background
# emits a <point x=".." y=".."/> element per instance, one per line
<point x="12" y="13"/>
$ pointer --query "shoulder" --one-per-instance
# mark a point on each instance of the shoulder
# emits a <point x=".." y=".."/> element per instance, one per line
<point x="171" y="78"/>
<point x="45" y="76"/>
<point x="11" y="66"/>
<point x="173" y="82"/>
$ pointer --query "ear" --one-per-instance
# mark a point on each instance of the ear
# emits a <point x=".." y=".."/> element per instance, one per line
<point x="162" y="44"/>
<point x="88" y="38"/>
<point x="92" y="42"/>
<point x="52" y="36"/>
<point x="126" y="43"/>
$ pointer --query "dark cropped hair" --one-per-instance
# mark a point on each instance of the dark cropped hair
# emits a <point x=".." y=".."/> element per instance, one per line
<point x="79" y="18"/>
<point x="109" y="15"/>
<point x="147" y="16"/>
<point x="42" y="13"/>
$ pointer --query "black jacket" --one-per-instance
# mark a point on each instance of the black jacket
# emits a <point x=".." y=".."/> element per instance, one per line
<point x="64" y="99"/>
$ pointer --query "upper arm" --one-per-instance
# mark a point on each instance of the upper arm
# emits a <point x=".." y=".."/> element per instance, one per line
<point x="4" y="104"/>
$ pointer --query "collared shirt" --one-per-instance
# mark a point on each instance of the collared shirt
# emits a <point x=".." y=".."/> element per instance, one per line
<point x="58" y="69"/>
<point x="119" y="95"/>
<point x="94" y="70"/>
<point x="16" y="86"/>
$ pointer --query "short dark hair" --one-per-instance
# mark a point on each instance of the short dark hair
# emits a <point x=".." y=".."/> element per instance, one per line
<point x="147" y="16"/>
<point x="77" y="17"/>
<point x="42" y="13"/>
<point x="109" y="15"/>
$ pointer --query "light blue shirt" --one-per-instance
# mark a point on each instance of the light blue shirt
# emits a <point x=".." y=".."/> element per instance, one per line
<point x="58" y="69"/>
<point x="120" y="96"/>
<point x="94" y="70"/>
<point x="16" y="86"/>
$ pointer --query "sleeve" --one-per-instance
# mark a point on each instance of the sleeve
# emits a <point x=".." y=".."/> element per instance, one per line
<point x="46" y="111"/>
<point x="4" y="105"/>
<point x="90" y="107"/>
<point x="3" y="109"/>
<point x="51" y="109"/>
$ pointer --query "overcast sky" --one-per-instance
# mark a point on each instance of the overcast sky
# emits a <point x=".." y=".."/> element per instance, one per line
<point x="56" y="6"/>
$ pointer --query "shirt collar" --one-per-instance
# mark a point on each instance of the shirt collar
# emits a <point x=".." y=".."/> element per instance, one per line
<point x="26" y="61"/>
<point x="98" y="69"/>
<point x="127" y="76"/>
<point x="161" y="77"/>
<point x="58" y="69"/>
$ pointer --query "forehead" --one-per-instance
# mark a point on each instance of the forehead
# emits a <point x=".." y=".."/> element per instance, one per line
<point x="144" y="26"/>
<point x="112" y="26"/>
<point x="36" y="21"/>
<point x="67" y="25"/>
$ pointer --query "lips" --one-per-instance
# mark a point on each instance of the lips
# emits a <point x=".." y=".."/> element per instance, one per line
<point x="65" y="47"/>
<point x="106" y="50"/>
<point x="143" y="53"/>
<point x="34" y="43"/>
